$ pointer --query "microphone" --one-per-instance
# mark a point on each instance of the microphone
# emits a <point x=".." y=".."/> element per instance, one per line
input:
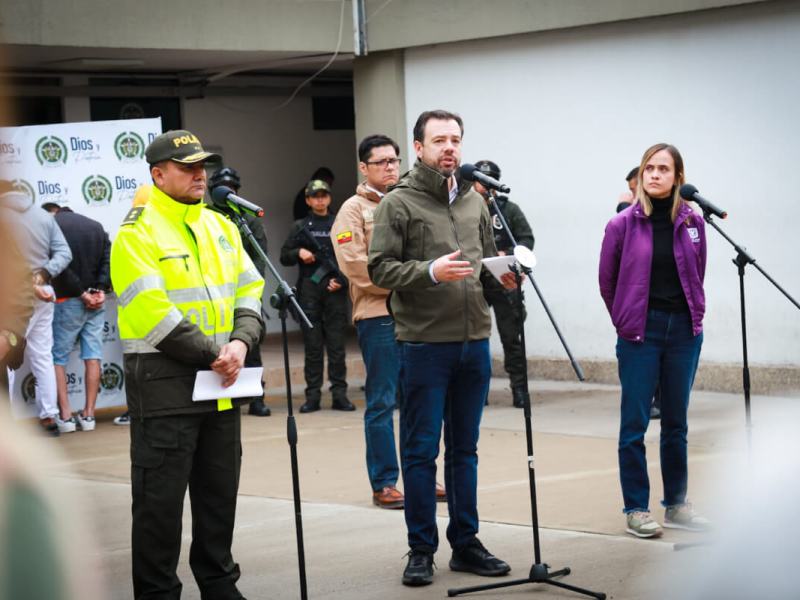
<point x="471" y="173"/>
<point x="689" y="192"/>
<point x="223" y="196"/>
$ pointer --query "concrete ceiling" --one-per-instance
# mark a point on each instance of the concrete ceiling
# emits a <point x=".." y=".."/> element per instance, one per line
<point x="63" y="60"/>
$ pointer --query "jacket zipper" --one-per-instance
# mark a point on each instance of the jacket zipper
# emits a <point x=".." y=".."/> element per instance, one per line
<point x="463" y="281"/>
<point x="205" y="286"/>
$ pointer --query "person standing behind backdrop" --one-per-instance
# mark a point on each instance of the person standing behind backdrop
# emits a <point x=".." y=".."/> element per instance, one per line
<point x="652" y="264"/>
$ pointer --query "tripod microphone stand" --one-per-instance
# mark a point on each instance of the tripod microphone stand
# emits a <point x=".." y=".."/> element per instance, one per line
<point x="280" y="300"/>
<point x="743" y="258"/>
<point x="540" y="572"/>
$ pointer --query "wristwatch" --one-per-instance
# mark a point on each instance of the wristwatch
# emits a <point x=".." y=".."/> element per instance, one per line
<point x="12" y="338"/>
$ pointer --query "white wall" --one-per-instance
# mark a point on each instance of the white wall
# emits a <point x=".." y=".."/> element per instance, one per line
<point x="566" y="114"/>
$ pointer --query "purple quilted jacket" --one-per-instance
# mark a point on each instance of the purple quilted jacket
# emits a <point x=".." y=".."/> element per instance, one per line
<point x="625" y="261"/>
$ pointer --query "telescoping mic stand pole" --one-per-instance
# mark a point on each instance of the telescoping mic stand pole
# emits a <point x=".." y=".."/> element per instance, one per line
<point x="540" y="571"/>
<point x="743" y="258"/>
<point x="280" y="300"/>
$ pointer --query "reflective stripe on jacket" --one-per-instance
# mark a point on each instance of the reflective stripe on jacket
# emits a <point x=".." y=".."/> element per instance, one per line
<point x="179" y="271"/>
<point x="180" y="260"/>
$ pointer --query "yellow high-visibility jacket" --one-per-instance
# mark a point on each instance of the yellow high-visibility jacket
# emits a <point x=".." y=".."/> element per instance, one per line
<point x="185" y="287"/>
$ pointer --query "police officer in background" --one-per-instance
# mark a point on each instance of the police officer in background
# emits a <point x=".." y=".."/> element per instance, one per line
<point x="322" y="294"/>
<point x="230" y="178"/>
<point x="189" y="300"/>
<point x="504" y="303"/>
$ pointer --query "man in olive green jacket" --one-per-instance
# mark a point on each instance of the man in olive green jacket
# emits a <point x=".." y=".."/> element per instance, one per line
<point x="431" y="232"/>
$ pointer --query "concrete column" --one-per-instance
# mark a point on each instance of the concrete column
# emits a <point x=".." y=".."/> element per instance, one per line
<point x="76" y="108"/>
<point x="380" y="101"/>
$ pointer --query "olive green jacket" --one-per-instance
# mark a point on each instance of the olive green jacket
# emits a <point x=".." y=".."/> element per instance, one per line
<point x="414" y="225"/>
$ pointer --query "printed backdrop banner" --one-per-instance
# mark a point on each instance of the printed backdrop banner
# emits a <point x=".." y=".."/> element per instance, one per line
<point x="95" y="169"/>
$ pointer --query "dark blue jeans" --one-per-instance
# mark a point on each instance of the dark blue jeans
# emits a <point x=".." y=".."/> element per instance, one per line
<point x="669" y="356"/>
<point x="382" y="360"/>
<point x="442" y="382"/>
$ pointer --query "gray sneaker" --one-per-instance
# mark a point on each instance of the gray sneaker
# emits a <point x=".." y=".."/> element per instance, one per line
<point x="642" y="525"/>
<point x="683" y="516"/>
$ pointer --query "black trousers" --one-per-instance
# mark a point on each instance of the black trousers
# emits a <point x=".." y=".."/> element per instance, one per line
<point x="508" y="320"/>
<point x="327" y="312"/>
<point x="203" y="452"/>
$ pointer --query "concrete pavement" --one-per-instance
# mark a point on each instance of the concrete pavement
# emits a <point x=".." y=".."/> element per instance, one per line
<point x="355" y="551"/>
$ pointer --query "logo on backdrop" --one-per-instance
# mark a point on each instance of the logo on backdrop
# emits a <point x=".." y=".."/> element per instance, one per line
<point x="109" y="332"/>
<point x="51" y="151"/>
<point x="52" y="191"/>
<point x="84" y="149"/>
<point x="129" y="147"/>
<point x="28" y="389"/>
<point x="112" y="377"/>
<point x="10" y="154"/>
<point x="23" y="187"/>
<point x="96" y="190"/>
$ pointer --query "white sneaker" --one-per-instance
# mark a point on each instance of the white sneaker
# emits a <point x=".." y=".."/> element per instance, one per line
<point x="642" y="525"/>
<point x="65" y="425"/>
<point x="86" y="423"/>
<point x="123" y="419"/>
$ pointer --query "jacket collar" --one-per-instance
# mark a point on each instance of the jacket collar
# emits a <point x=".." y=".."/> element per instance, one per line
<point x="426" y="179"/>
<point x="684" y="212"/>
<point x="366" y="193"/>
<point x="174" y="210"/>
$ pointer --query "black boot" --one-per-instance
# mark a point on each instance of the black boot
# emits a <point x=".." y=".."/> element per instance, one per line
<point x="342" y="403"/>
<point x="311" y="405"/>
<point x="258" y="408"/>
<point x="520" y="396"/>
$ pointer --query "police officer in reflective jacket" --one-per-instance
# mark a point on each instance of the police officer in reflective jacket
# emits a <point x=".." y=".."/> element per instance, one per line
<point x="322" y="293"/>
<point x="230" y="178"/>
<point x="189" y="300"/>
<point x="506" y="312"/>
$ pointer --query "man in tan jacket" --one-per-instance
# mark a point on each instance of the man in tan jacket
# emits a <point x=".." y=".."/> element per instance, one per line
<point x="351" y="234"/>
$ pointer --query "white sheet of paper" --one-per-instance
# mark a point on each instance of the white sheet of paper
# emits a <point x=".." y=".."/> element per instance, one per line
<point x="208" y="385"/>
<point x="498" y="265"/>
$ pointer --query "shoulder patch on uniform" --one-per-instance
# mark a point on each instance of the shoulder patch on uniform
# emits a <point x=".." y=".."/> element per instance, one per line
<point x="344" y="237"/>
<point x="133" y="215"/>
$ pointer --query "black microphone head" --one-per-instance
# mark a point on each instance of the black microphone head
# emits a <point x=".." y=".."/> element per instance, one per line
<point x="467" y="172"/>
<point x="688" y="191"/>
<point x="220" y="193"/>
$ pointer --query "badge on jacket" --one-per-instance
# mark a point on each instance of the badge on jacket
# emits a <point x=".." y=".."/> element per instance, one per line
<point x="344" y="237"/>
<point x="694" y="234"/>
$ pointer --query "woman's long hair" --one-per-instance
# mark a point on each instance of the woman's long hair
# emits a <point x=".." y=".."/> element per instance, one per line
<point x="680" y="178"/>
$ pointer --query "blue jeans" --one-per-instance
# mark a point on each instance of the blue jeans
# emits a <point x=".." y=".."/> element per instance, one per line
<point x="669" y="356"/>
<point x="72" y="321"/>
<point x="379" y="350"/>
<point x="442" y="382"/>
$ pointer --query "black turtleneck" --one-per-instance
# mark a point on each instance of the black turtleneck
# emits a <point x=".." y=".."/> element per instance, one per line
<point x="666" y="292"/>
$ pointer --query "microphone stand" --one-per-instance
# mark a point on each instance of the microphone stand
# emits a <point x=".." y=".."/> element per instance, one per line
<point x="280" y="300"/>
<point x="540" y="571"/>
<point x="743" y="258"/>
<point x="575" y="365"/>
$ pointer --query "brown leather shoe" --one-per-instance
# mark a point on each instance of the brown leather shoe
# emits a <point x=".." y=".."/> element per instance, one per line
<point x="441" y="495"/>
<point x="388" y="497"/>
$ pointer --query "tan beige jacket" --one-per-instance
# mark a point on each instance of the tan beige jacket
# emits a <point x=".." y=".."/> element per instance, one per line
<point x="351" y="234"/>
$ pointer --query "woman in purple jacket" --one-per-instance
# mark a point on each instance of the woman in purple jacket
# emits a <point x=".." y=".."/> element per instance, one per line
<point x="652" y="265"/>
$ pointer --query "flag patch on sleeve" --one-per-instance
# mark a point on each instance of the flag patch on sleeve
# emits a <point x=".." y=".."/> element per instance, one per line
<point x="344" y="237"/>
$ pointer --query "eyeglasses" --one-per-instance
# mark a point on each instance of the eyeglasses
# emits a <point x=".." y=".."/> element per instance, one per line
<point x="386" y="162"/>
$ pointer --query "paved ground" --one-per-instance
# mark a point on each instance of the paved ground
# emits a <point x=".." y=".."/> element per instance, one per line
<point x="355" y="551"/>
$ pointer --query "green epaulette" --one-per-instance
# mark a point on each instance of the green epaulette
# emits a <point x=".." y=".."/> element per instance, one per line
<point x="133" y="215"/>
